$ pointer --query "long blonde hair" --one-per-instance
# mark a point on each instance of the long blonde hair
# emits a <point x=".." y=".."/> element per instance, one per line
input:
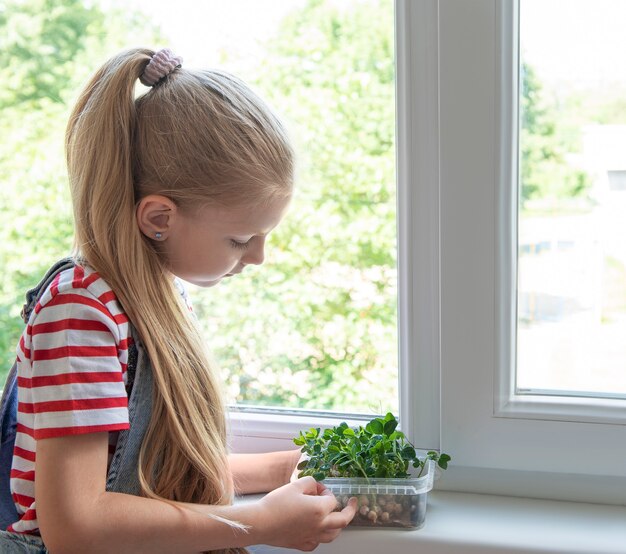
<point x="197" y="137"/>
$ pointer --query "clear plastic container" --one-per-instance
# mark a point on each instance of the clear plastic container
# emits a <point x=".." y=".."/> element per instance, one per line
<point x="399" y="503"/>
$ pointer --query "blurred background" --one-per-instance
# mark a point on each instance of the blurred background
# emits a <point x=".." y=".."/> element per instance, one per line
<point x="315" y="327"/>
<point x="572" y="219"/>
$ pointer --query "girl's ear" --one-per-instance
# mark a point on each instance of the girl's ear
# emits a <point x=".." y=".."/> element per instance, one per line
<point x="156" y="215"/>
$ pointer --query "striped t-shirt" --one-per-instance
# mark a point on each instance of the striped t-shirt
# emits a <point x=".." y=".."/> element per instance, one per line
<point x="71" y="367"/>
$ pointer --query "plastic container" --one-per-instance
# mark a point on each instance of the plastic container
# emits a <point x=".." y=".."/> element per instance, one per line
<point x="399" y="503"/>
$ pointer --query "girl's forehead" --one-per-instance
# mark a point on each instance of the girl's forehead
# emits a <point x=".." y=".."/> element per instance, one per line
<point x="252" y="219"/>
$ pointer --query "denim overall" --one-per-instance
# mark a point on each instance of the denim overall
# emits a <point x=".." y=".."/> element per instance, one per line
<point x="122" y="476"/>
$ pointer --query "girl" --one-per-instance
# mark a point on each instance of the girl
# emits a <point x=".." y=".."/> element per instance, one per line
<point x="121" y="431"/>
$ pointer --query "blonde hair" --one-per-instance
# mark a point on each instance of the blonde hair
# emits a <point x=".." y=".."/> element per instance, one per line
<point x="198" y="137"/>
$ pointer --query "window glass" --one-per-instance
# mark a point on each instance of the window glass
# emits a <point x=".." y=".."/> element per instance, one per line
<point x="572" y="229"/>
<point x="314" y="327"/>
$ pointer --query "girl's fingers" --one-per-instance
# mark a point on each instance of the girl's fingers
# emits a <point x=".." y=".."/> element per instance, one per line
<point x="339" y="520"/>
<point x="310" y="486"/>
<point x="329" y="536"/>
<point x="307" y="485"/>
<point x="322" y="490"/>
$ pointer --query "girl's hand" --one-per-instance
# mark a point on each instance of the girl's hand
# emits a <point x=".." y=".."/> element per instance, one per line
<point x="301" y="515"/>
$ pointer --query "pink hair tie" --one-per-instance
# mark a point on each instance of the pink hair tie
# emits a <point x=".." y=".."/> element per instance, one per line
<point x="160" y="66"/>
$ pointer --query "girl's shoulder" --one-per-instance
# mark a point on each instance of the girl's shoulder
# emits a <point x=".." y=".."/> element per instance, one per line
<point x="80" y="284"/>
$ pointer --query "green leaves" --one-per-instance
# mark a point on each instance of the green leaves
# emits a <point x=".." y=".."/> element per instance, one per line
<point x="376" y="450"/>
<point x="390" y="427"/>
<point x="443" y="461"/>
<point x="375" y="426"/>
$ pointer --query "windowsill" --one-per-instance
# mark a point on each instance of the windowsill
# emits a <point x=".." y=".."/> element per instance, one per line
<point x="463" y="523"/>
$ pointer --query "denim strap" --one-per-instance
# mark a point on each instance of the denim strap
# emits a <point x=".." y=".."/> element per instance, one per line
<point x="123" y="472"/>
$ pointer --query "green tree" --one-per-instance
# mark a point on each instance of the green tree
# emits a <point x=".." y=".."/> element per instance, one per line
<point x="316" y="327"/>
<point x="547" y="135"/>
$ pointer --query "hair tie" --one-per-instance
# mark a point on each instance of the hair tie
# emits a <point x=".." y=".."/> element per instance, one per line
<point x="160" y="66"/>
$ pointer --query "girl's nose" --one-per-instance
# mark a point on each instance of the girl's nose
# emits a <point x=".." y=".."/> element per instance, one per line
<point x="255" y="254"/>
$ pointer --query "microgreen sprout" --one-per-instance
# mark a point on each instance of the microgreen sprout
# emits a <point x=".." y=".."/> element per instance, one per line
<point x="377" y="450"/>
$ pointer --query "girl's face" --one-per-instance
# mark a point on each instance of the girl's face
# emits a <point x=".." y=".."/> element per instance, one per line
<point x="216" y="242"/>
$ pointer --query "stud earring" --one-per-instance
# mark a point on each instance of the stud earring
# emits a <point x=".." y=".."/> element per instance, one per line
<point x="158" y="235"/>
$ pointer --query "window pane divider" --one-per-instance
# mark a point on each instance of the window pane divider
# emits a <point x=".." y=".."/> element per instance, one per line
<point x="418" y="216"/>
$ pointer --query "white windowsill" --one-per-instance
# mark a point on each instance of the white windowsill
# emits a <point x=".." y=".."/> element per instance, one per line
<point x="463" y="523"/>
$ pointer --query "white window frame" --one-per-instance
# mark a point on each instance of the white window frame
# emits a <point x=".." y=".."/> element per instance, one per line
<point x="456" y="91"/>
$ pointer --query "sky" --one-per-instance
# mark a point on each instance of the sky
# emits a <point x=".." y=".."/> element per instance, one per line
<point x="575" y="40"/>
<point x="565" y="40"/>
<point x="199" y="29"/>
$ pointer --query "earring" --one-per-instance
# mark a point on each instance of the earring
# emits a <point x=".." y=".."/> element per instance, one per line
<point x="158" y="235"/>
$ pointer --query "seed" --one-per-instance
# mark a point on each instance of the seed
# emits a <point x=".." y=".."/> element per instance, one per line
<point x="378" y="510"/>
<point x="384" y="516"/>
<point x="364" y="510"/>
<point x="372" y="516"/>
<point x="364" y="500"/>
<point x="381" y="501"/>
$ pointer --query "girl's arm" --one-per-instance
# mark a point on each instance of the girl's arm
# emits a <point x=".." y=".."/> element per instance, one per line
<point x="77" y="515"/>
<point x="255" y="473"/>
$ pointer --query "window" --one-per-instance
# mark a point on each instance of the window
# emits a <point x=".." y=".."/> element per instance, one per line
<point x="505" y="439"/>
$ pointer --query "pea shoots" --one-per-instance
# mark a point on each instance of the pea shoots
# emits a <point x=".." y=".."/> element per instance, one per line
<point x="377" y="450"/>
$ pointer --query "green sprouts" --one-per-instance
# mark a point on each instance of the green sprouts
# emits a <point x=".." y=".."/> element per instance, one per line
<point x="377" y="450"/>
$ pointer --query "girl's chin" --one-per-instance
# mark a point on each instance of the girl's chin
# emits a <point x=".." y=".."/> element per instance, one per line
<point x="207" y="283"/>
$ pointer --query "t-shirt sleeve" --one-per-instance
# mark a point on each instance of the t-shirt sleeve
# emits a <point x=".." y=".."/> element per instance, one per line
<point x="77" y="380"/>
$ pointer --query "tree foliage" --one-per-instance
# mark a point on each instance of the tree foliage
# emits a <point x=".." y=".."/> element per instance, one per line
<point x="546" y="138"/>
<point x="48" y="48"/>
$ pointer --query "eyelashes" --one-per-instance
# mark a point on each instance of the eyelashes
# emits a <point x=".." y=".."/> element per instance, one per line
<point x="239" y="245"/>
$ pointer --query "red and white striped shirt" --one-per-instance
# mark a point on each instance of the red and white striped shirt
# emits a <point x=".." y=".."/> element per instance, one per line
<point x="71" y="364"/>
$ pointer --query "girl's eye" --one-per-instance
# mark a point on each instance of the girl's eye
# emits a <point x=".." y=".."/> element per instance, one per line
<point x="237" y="244"/>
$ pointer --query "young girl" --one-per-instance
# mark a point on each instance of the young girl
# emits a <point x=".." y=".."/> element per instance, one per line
<point x="121" y="434"/>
